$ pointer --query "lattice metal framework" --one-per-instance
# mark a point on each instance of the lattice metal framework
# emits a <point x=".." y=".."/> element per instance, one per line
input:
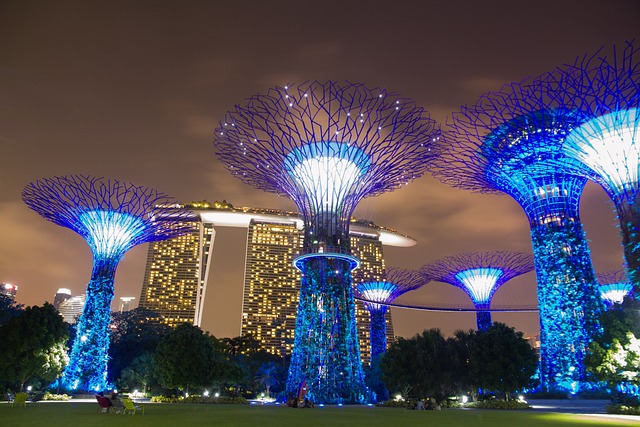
<point x="605" y="149"/>
<point x="398" y="281"/>
<point x="511" y="141"/>
<point x="614" y="287"/>
<point x="112" y="217"/>
<point x="479" y="275"/>
<point x="327" y="146"/>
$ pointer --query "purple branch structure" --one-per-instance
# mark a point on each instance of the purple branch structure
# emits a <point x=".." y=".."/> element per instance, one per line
<point x="479" y="275"/>
<point x="606" y="147"/>
<point x="375" y="295"/>
<point x="326" y="146"/>
<point x="511" y="142"/>
<point x="112" y="217"/>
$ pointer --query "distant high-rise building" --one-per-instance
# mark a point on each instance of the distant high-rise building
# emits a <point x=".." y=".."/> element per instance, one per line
<point x="177" y="272"/>
<point x="71" y="308"/>
<point x="126" y="303"/>
<point x="63" y="294"/>
<point x="174" y="280"/>
<point x="9" y="290"/>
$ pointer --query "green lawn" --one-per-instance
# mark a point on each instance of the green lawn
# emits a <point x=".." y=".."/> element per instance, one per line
<point x="70" y="414"/>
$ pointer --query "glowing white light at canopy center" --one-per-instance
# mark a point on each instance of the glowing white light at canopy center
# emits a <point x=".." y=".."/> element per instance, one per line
<point x="110" y="233"/>
<point x="327" y="172"/>
<point x="608" y="145"/>
<point x="480" y="282"/>
<point x="378" y="292"/>
<point x="614" y="293"/>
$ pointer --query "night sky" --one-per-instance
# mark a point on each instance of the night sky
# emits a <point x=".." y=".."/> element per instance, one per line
<point x="134" y="90"/>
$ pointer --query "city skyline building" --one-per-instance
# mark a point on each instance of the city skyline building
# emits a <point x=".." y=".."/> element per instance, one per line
<point x="71" y="308"/>
<point x="9" y="289"/>
<point x="327" y="146"/>
<point x="271" y="283"/>
<point x="126" y="304"/>
<point x="62" y="295"/>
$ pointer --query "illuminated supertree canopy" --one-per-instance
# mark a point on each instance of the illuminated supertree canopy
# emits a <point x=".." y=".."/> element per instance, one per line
<point x="375" y="295"/>
<point x="511" y="141"/>
<point x="614" y="287"/>
<point x="479" y="275"/>
<point x="326" y="146"/>
<point x="606" y="148"/>
<point x="112" y="217"/>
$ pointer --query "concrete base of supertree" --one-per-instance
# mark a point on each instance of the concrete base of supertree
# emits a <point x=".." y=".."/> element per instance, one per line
<point x="325" y="360"/>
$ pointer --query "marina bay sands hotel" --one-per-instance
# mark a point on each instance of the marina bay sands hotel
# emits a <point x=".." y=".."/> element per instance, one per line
<point x="177" y="271"/>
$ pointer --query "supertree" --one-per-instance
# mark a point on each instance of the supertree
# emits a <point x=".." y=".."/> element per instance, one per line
<point x="614" y="287"/>
<point x="326" y="146"/>
<point x="606" y="148"/>
<point x="375" y="295"/>
<point x="510" y="142"/>
<point x="479" y="275"/>
<point x="112" y="217"/>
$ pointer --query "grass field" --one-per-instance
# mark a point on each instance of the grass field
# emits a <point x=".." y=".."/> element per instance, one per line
<point x="67" y="414"/>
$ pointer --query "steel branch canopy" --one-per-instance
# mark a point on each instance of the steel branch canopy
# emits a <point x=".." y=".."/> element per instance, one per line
<point x="511" y="141"/>
<point x="327" y="146"/>
<point x="479" y="275"/>
<point x="112" y="217"/>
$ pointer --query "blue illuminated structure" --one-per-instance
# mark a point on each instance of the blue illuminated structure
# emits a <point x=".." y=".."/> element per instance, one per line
<point x="511" y="141"/>
<point x="375" y="295"/>
<point x="326" y="146"/>
<point x="614" y="287"/>
<point x="112" y="217"/>
<point x="479" y="275"/>
<point x="606" y="148"/>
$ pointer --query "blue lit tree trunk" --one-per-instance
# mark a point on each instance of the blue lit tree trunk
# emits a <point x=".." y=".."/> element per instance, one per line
<point x="87" y="369"/>
<point x="569" y="303"/>
<point x="483" y="320"/>
<point x="378" y="330"/>
<point x="326" y="352"/>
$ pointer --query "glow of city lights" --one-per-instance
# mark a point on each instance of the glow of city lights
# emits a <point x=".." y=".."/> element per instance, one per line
<point x="480" y="283"/>
<point x="110" y="233"/>
<point x="327" y="172"/>
<point x="607" y="145"/>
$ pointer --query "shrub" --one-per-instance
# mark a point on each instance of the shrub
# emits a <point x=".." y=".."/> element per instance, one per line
<point x="51" y="396"/>
<point x="623" y="409"/>
<point x="499" y="404"/>
<point x="222" y="400"/>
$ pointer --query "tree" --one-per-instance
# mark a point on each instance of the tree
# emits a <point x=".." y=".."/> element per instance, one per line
<point x="9" y="308"/>
<point x="267" y="376"/>
<point x="614" y="356"/>
<point x="185" y="357"/>
<point x="423" y="363"/>
<point x="502" y="360"/>
<point x="139" y="373"/>
<point x="460" y="346"/>
<point x="134" y="333"/>
<point x="33" y="346"/>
